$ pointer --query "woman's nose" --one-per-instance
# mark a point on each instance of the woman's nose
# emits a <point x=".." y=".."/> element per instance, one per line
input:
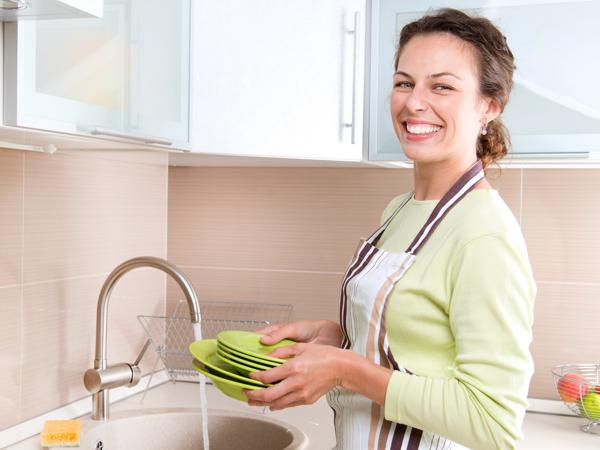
<point x="417" y="100"/>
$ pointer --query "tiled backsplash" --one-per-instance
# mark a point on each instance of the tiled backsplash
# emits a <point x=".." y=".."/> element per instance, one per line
<point x="66" y="220"/>
<point x="284" y="235"/>
<point x="273" y="235"/>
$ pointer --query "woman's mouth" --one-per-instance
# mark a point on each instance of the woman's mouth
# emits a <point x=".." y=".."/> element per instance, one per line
<point x="420" y="131"/>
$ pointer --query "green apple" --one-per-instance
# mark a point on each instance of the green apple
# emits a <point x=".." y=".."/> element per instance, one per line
<point x="590" y="404"/>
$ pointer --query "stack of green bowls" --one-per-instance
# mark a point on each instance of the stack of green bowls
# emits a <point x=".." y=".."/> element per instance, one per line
<point x="230" y="359"/>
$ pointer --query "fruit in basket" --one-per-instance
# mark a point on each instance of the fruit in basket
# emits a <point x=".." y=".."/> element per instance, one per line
<point x="590" y="405"/>
<point x="572" y="386"/>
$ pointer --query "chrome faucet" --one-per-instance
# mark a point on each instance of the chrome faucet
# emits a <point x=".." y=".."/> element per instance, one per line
<point x="103" y="377"/>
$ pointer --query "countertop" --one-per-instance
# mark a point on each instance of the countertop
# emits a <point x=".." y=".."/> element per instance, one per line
<point x="542" y="431"/>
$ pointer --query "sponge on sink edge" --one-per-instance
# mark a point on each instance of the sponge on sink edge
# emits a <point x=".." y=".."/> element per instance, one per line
<point x="61" y="433"/>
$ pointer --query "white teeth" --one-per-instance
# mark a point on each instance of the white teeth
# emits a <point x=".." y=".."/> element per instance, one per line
<point x="422" y="128"/>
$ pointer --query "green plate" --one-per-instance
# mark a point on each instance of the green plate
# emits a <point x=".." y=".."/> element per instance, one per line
<point x="256" y="365"/>
<point x="228" y="358"/>
<point x="259" y="362"/>
<point x="240" y="368"/>
<point x="233" y="389"/>
<point x="249" y="343"/>
<point x="205" y="351"/>
<point x="255" y="359"/>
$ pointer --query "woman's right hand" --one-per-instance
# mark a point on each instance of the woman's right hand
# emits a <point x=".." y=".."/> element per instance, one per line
<point x="323" y="332"/>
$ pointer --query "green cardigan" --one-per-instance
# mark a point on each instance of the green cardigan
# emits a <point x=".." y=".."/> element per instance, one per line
<point x="460" y="321"/>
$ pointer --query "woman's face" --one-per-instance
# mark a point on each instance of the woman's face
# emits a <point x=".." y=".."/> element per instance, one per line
<point x="436" y="107"/>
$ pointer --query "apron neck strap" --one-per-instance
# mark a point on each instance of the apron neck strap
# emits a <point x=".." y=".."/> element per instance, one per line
<point x="462" y="187"/>
<point x="379" y="231"/>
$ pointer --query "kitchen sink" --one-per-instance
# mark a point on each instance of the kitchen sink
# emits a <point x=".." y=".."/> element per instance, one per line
<point x="181" y="429"/>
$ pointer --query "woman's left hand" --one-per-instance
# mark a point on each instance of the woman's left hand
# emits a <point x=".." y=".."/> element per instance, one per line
<point x="312" y="371"/>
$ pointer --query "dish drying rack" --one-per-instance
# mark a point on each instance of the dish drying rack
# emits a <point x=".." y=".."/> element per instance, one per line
<point x="170" y="336"/>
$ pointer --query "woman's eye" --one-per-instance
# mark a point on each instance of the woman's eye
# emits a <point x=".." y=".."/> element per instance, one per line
<point x="403" y="84"/>
<point x="442" y="87"/>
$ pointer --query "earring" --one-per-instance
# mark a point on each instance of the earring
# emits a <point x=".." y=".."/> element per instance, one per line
<point x="484" y="130"/>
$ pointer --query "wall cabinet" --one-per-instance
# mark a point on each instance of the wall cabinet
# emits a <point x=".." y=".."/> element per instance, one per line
<point x="124" y="75"/>
<point x="302" y="79"/>
<point x="554" y="107"/>
<point x="283" y="79"/>
<point x="12" y="10"/>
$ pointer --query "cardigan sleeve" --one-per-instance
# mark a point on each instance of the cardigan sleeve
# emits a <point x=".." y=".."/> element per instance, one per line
<point x="483" y="404"/>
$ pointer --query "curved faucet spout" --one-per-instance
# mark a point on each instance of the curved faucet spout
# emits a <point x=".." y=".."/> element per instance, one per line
<point x="100" y="401"/>
<point x="115" y="275"/>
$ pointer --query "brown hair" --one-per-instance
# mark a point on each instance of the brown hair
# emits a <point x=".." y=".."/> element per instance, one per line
<point x="495" y="63"/>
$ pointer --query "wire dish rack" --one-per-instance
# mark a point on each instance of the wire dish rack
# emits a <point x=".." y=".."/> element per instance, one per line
<point x="170" y="336"/>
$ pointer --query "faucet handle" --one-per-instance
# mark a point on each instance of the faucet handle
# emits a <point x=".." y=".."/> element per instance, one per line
<point x="142" y="352"/>
<point x="122" y="374"/>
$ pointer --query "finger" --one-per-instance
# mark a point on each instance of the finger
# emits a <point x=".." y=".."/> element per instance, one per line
<point x="271" y="394"/>
<point x="287" y="352"/>
<point x="287" y="401"/>
<point x="253" y="402"/>
<point x="273" y="375"/>
<point x="269" y="329"/>
<point x="278" y="333"/>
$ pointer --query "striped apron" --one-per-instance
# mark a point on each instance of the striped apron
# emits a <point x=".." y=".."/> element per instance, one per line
<point x="370" y="278"/>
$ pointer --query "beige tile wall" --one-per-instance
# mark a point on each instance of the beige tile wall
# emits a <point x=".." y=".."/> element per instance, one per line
<point x="66" y="220"/>
<point x="560" y="220"/>
<point x="284" y="235"/>
<point x="272" y="235"/>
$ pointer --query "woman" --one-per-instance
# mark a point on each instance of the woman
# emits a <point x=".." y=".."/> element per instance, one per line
<point x="436" y="307"/>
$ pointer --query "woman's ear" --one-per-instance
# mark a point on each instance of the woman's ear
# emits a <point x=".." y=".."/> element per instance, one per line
<point x="492" y="110"/>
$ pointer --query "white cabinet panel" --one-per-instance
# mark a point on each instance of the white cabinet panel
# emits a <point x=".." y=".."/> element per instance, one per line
<point x="273" y="78"/>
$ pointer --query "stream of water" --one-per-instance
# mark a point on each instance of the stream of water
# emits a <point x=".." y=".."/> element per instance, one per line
<point x="203" y="403"/>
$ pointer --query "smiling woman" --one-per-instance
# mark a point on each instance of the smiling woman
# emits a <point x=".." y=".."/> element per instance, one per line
<point x="445" y="69"/>
<point x="437" y="111"/>
<point x="432" y="347"/>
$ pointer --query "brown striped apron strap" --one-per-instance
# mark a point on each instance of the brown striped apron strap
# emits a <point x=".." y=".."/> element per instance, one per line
<point x="462" y="187"/>
<point x="379" y="231"/>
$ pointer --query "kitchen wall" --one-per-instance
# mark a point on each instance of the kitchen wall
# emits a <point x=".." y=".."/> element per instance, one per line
<point x="272" y="235"/>
<point x="284" y="235"/>
<point x="66" y="220"/>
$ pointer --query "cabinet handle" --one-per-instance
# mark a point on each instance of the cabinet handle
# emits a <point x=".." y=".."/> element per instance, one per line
<point x="354" y="33"/>
<point x="134" y="137"/>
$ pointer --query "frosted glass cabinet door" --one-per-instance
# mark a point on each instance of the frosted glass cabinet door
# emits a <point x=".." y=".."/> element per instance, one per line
<point x="126" y="72"/>
<point x="554" y="106"/>
<point x="555" y="103"/>
<point x="278" y="78"/>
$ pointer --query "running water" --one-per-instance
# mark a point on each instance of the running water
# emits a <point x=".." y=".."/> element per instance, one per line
<point x="198" y="337"/>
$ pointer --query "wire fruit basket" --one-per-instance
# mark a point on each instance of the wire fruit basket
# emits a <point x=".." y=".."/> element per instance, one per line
<point x="171" y="336"/>
<point x="579" y="387"/>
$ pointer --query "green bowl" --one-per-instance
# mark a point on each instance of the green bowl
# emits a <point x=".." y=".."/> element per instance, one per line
<point x="230" y="388"/>
<point x="205" y="351"/>
<point x="255" y="359"/>
<point x="248" y="342"/>
<point x="222" y="351"/>
<point x="239" y="368"/>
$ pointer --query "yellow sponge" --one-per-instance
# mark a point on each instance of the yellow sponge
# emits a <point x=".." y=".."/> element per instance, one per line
<point x="61" y="433"/>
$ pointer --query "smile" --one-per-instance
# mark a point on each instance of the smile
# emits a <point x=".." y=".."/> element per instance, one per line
<point x="421" y="129"/>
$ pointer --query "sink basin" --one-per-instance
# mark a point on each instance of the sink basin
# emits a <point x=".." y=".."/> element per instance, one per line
<point x="181" y="429"/>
